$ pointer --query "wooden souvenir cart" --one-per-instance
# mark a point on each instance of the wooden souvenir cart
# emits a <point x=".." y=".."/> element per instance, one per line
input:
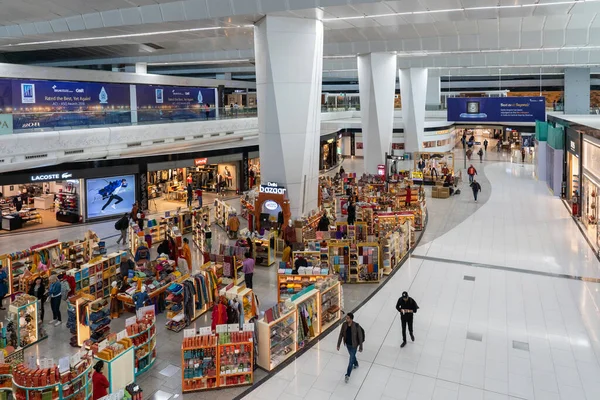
<point x="264" y="250"/>
<point x="330" y="305"/>
<point x="307" y="303"/>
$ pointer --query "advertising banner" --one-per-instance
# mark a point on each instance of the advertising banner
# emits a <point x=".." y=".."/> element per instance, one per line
<point x="174" y="103"/>
<point x="40" y="104"/>
<point x="496" y="109"/>
<point x="110" y="196"/>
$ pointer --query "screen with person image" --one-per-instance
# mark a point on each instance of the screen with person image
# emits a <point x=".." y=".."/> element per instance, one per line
<point x="109" y="196"/>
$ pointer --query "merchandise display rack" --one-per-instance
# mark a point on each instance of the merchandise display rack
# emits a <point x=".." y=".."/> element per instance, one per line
<point x="174" y="307"/>
<point x="75" y="306"/>
<point x="200" y="217"/>
<point x="222" y="212"/>
<point x="217" y="361"/>
<point x="95" y="277"/>
<point x="367" y="269"/>
<point x="154" y="232"/>
<point x="307" y="305"/>
<point x="20" y="264"/>
<point x="24" y="314"/>
<point x="264" y="249"/>
<point x="277" y="339"/>
<point x="6" y="376"/>
<point x="98" y="317"/>
<point x="331" y="305"/>
<point x="245" y="296"/>
<point x="79" y="387"/>
<point x="309" y="226"/>
<point x="145" y="348"/>
<point x="339" y="257"/>
<point x="290" y="285"/>
<point x="120" y="369"/>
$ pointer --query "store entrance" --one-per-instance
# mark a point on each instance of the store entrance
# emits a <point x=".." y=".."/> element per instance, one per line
<point x="33" y="206"/>
<point x="168" y="189"/>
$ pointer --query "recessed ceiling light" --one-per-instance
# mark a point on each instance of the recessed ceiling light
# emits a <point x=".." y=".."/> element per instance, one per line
<point x="203" y="62"/>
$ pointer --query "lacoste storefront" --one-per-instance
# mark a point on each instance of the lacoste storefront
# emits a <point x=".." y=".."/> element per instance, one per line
<point x="43" y="198"/>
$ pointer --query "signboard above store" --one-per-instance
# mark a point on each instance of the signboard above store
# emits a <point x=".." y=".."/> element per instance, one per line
<point x="200" y="161"/>
<point x="59" y="176"/>
<point x="273" y="188"/>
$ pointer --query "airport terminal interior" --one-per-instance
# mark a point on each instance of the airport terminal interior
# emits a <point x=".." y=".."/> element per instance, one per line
<point x="300" y="199"/>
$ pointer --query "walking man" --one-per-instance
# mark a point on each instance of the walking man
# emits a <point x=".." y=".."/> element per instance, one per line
<point x="353" y="336"/>
<point x="406" y="306"/>
<point x="476" y="189"/>
<point x="122" y="225"/>
<point x="480" y="154"/>
<point x="485" y="144"/>
<point x="471" y="171"/>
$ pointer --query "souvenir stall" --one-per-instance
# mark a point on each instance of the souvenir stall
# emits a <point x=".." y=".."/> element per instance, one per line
<point x="217" y="360"/>
<point x="289" y="326"/>
<point x="155" y="231"/>
<point x="229" y="261"/>
<point x="306" y="270"/>
<point x="119" y="362"/>
<point x="95" y="277"/>
<point x="247" y="202"/>
<point x="242" y="299"/>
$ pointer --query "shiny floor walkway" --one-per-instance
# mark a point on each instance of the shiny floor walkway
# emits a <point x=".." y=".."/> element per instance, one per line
<point x="481" y="333"/>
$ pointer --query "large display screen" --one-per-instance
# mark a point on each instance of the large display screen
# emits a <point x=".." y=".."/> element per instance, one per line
<point x="114" y="195"/>
<point x="174" y="103"/>
<point x="496" y="109"/>
<point x="43" y="104"/>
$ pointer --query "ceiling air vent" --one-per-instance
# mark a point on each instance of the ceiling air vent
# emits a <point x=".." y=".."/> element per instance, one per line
<point x="179" y="139"/>
<point x="158" y="141"/>
<point x="71" y="152"/>
<point x="215" y="134"/>
<point x="136" y="144"/>
<point x="36" y="157"/>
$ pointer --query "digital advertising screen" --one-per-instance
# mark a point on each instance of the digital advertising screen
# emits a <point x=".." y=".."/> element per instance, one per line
<point x="496" y="109"/>
<point x="110" y="196"/>
<point x="174" y="103"/>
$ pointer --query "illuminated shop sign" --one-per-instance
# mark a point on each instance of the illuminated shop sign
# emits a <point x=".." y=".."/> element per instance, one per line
<point x="200" y="161"/>
<point x="50" y="177"/>
<point x="273" y="188"/>
<point x="271" y="205"/>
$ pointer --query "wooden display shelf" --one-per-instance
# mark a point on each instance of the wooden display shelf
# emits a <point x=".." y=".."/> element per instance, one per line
<point x="271" y="354"/>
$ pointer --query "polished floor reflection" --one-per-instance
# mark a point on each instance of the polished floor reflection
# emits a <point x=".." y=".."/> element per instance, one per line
<point x="481" y="333"/>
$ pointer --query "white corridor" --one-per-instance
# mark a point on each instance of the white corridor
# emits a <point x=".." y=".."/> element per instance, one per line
<point x="498" y="334"/>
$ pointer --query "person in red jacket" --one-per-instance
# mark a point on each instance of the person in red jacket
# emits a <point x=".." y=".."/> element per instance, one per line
<point x="219" y="314"/>
<point x="472" y="172"/>
<point x="99" y="382"/>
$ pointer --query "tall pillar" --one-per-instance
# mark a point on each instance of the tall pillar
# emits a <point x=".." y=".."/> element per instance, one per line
<point x="289" y="72"/>
<point x="376" y="84"/>
<point x="577" y="90"/>
<point x="413" y="88"/>
<point x="434" y="92"/>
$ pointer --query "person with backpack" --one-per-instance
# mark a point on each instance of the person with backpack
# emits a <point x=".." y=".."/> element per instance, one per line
<point x="476" y="189"/>
<point x="121" y="225"/>
<point x="353" y="336"/>
<point x="407" y="307"/>
<point x="471" y="172"/>
<point x="480" y="154"/>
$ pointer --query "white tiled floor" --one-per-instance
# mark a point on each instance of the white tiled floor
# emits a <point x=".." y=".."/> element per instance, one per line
<point x="520" y="226"/>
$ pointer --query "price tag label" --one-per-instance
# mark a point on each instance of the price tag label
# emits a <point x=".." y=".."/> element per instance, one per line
<point x="50" y="362"/>
<point x="248" y="327"/>
<point x="233" y="328"/>
<point x="31" y="362"/>
<point x="43" y="363"/>
<point x="205" y="331"/>
<point x="188" y="333"/>
<point x="75" y="358"/>
<point x="102" y="345"/>
<point x="63" y="364"/>
<point x="122" y="335"/>
<point x="130" y="321"/>
<point x="221" y="328"/>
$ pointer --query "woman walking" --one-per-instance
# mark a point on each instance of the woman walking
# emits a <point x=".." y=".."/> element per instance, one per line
<point x="38" y="290"/>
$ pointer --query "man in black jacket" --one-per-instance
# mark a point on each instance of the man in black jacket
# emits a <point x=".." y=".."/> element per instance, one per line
<point x="406" y="306"/>
<point x="352" y="335"/>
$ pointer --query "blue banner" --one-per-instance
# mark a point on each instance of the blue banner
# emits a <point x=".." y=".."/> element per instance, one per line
<point x="174" y="103"/>
<point x="41" y="104"/>
<point x="496" y="109"/>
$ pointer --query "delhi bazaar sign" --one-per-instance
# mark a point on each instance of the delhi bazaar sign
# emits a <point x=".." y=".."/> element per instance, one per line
<point x="272" y="188"/>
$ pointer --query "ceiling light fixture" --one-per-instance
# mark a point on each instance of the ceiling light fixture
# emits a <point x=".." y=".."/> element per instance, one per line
<point x="498" y="7"/>
<point x="202" y="62"/>
<point x="125" y="36"/>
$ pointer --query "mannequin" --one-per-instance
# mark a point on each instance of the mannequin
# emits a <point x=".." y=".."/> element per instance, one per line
<point x="289" y="233"/>
<point x="141" y="298"/>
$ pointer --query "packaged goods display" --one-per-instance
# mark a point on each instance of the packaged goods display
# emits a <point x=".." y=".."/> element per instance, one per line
<point x="24" y="328"/>
<point x="220" y="360"/>
<point x="143" y="335"/>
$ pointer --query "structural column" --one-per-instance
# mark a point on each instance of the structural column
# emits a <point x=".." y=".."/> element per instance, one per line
<point x="577" y="91"/>
<point x="434" y="92"/>
<point x="413" y="89"/>
<point x="376" y="83"/>
<point x="289" y="70"/>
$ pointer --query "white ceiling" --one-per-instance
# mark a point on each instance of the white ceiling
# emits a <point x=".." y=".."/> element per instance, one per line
<point x="430" y="33"/>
